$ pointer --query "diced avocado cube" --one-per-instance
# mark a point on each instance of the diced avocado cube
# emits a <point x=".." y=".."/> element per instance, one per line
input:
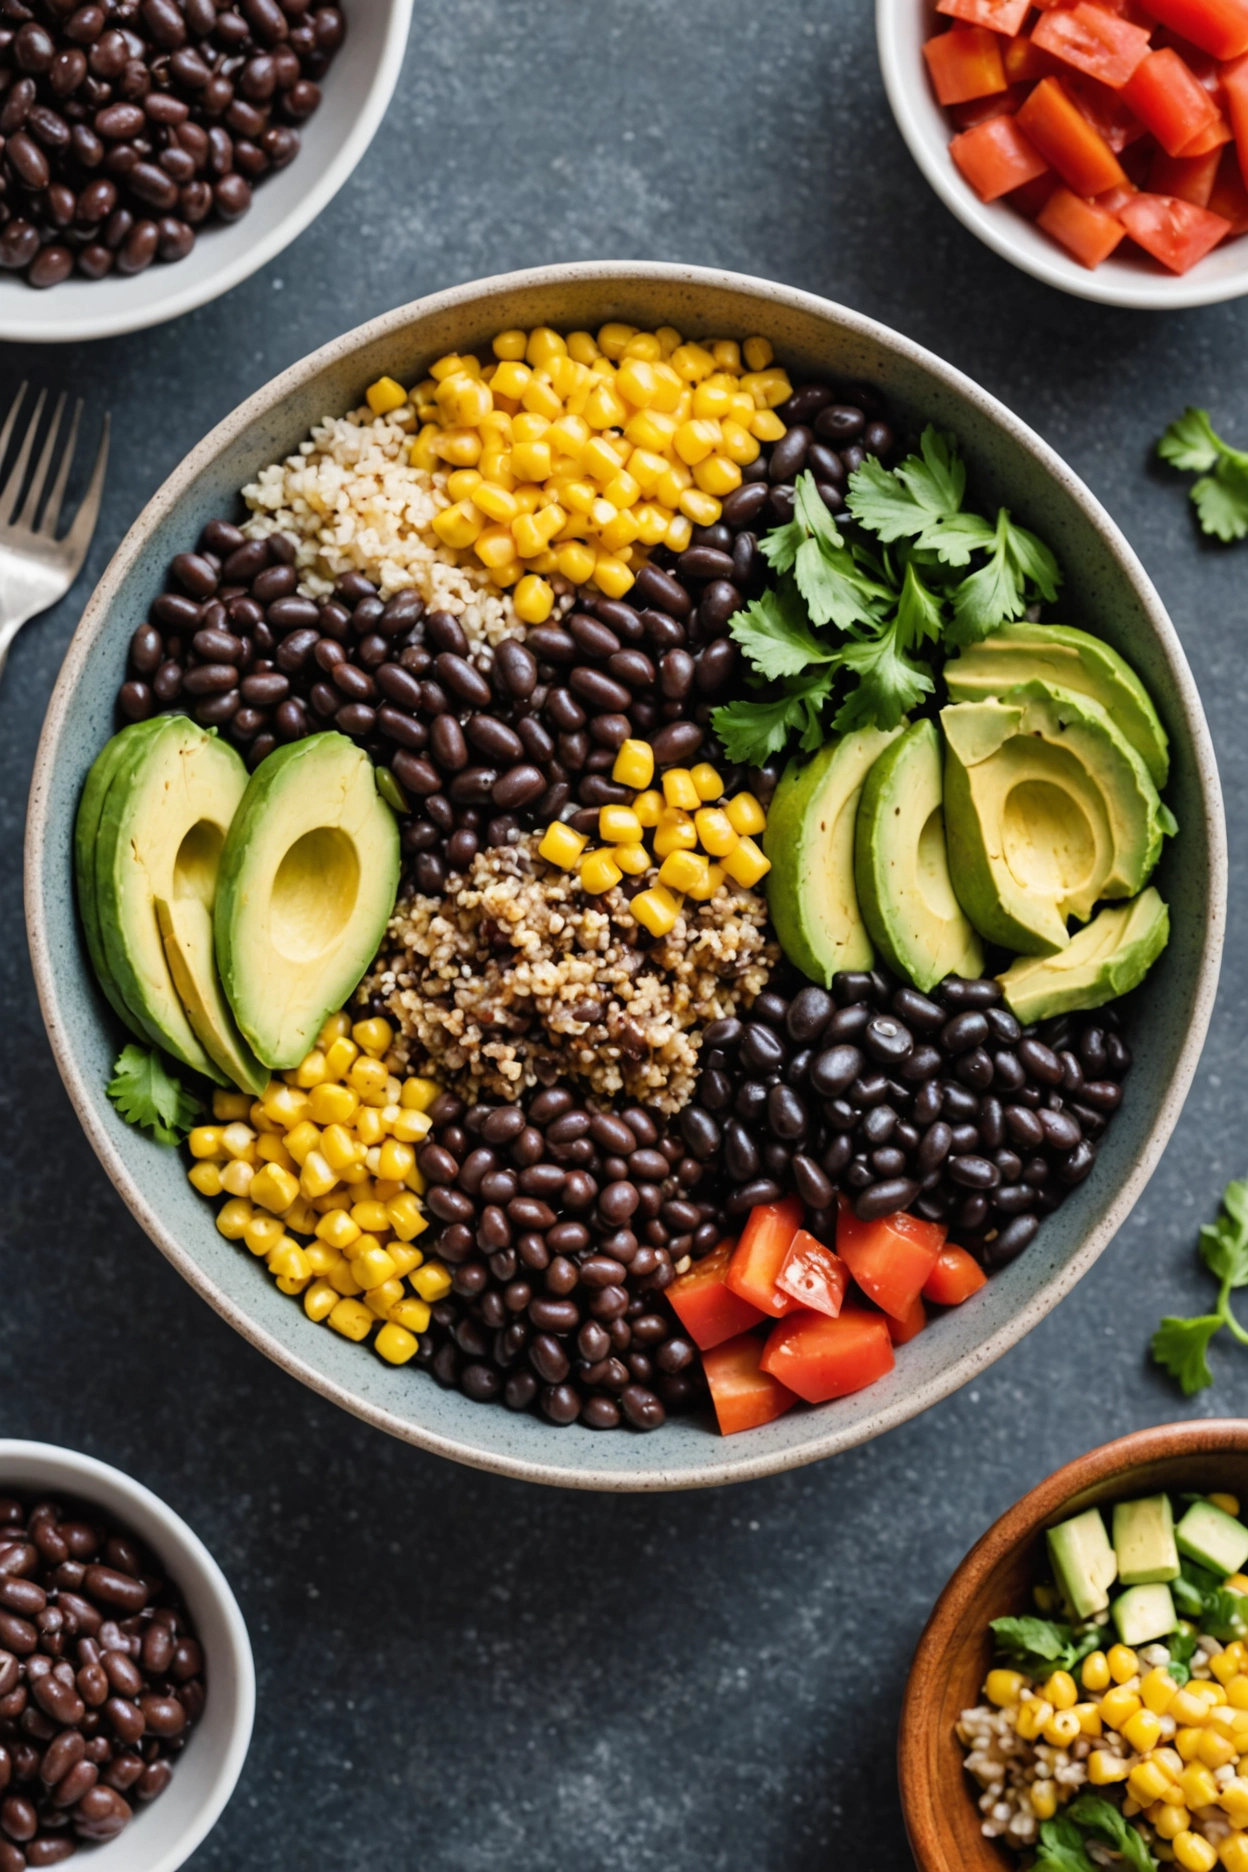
<point x="1144" y="1613"/>
<point x="1085" y="1564"/>
<point x="1212" y="1538"/>
<point x="1144" y="1541"/>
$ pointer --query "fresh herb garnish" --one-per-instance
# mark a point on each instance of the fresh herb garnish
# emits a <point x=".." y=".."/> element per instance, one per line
<point x="1095" y="1815"/>
<point x="1181" y="1345"/>
<point x="1061" y="1847"/>
<point x="149" y="1096"/>
<point x="1182" y="1648"/>
<point x="1221" y="495"/>
<point x="1041" y="1646"/>
<point x="1200" y="1595"/>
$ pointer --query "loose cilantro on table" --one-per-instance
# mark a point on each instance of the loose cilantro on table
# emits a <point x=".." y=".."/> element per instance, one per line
<point x="1041" y="1646"/>
<point x="883" y="600"/>
<point x="149" y="1096"/>
<point x="1221" y="494"/>
<point x="1180" y="1346"/>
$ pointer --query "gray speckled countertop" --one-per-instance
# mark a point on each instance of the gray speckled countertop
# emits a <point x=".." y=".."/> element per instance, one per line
<point x="457" y="1672"/>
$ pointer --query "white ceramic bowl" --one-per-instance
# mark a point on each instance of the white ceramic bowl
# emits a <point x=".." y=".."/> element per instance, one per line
<point x="357" y="89"/>
<point x="163" y="1836"/>
<point x="1127" y="278"/>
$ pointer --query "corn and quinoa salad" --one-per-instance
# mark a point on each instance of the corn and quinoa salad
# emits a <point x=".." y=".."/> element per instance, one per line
<point x="1091" y="1750"/>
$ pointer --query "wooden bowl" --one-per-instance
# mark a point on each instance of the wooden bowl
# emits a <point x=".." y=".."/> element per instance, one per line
<point x="995" y="1579"/>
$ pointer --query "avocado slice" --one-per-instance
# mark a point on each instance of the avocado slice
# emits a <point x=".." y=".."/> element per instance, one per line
<point x="1144" y="1613"/>
<point x="306" y="887"/>
<point x="1144" y="1541"/>
<point x="1048" y="808"/>
<point x="1084" y="1562"/>
<point x="165" y="816"/>
<point x="810" y="842"/>
<point x="1212" y="1538"/>
<point x="1067" y="659"/>
<point x="112" y="755"/>
<point x="901" y="867"/>
<point x="186" y="931"/>
<point x="1104" y="960"/>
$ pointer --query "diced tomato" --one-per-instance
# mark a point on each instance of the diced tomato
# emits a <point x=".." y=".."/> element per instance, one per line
<point x="996" y="157"/>
<point x="1175" y="232"/>
<point x="706" y="1306"/>
<point x="955" y="1277"/>
<point x="979" y="110"/>
<point x="1093" y="41"/>
<point x="1214" y="138"/>
<point x="1105" y="111"/>
<point x="823" y="1358"/>
<point x="1191" y="178"/>
<point x="890" y="1259"/>
<point x="1111" y="201"/>
<point x="760" y="1255"/>
<point x="1024" y="61"/>
<point x="1030" y="199"/>
<point x="965" y="63"/>
<point x="1230" y="195"/>
<point x="999" y="16"/>
<point x="743" y="1394"/>
<point x="1235" y="86"/>
<point x="1169" y="101"/>
<point x="813" y="1275"/>
<point x="1217" y="26"/>
<point x="1083" y="229"/>
<point x="1067" y="141"/>
<point x="902" y="1331"/>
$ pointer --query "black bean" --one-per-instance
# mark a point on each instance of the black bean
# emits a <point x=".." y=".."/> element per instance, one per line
<point x="659" y="588"/>
<point x="1103" y="1095"/>
<point x="923" y="1064"/>
<point x="833" y="1070"/>
<point x="957" y="991"/>
<point x="1075" y="1165"/>
<point x="516" y="667"/>
<point x="881" y="1199"/>
<point x="1011" y="1240"/>
<point x="1040" y="1062"/>
<point x="1061" y="1130"/>
<point x="973" y="1172"/>
<point x="934" y="1147"/>
<point x="886" y="1039"/>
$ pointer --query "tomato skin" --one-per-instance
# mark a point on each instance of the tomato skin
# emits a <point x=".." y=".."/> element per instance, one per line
<point x="743" y="1394"/>
<point x="1175" y="232"/>
<point x="1169" y="100"/>
<point x="813" y="1275"/>
<point x="1235" y="87"/>
<point x="902" y="1331"/>
<point x="890" y="1259"/>
<point x="1085" y="230"/>
<point x="1098" y="43"/>
<point x="760" y="1254"/>
<point x="979" y="110"/>
<point x="1191" y="178"/>
<point x="1065" y="138"/>
<point x="823" y="1358"/>
<point x="706" y="1306"/>
<point x="1024" y="61"/>
<point x="999" y="16"/>
<point x="996" y="157"/>
<point x="1230" y="194"/>
<point x="1217" y="26"/>
<point x="965" y="63"/>
<point x="954" y="1278"/>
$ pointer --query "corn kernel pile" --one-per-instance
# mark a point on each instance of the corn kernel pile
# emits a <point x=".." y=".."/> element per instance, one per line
<point x="576" y="455"/>
<point x="690" y="812"/>
<point x="328" y="1154"/>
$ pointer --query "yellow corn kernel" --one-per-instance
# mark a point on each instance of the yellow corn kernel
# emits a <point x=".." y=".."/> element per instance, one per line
<point x="337" y="1027"/>
<point x="1229" y="1504"/>
<point x="274" y="1188"/>
<point x="385" y="395"/>
<point x="739" y="446"/>
<point x="406" y="1260"/>
<point x="1194" y="1853"/>
<point x="534" y="599"/>
<point x="620" y="532"/>
<point x="338" y="1230"/>
<point x="351" y="1319"/>
<point x="331" y="1104"/>
<point x="540" y="399"/>
<point x="1143" y="1732"/>
<point x="612" y="576"/>
<point x="575" y="561"/>
<point x="1186" y="1706"/>
<point x="707" y="780"/>
<point x="511" y="378"/>
<point x="229" y="1105"/>
<point x="496" y="549"/>
<point x="1118" y="1706"/>
<point x="647" y="468"/>
<point x="1147" y="1782"/>
<point x="1233" y="1852"/>
<point x="1158" y="1690"/>
<point x="632" y="860"/>
<point x="237" y="1177"/>
<point x="766" y="426"/>
<point x="322" y="1259"/>
<point x="679" y="789"/>
<point x="311" y="1070"/>
<point x="716" y="832"/>
<point x="410" y="1127"/>
<point x="411" y="1314"/>
<point x="648" y="806"/>
<point x="634" y="765"/>
<point x="1032" y="1717"/>
<point x="1122" y="1662"/>
<point x="371" y="1265"/>
<point x="463" y="482"/>
<point x="271" y="1149"/>
<point x="745" y="863"/>
<point x="1233" y="1799"/>
<point x="700" y="507"/>
<point x="495" y="503"/>
<point x="1236" y="1582"/>
<point x="422" y="452"/>
<point x="237" y="1140"/>
<point x="371" y="1215"/>
<point x="561" y="846"/>
<point x="1237" y="1691"/>
<point x="695" y="440"/>
<point x="619" y="825"/>
<point x="340" y="1057"/>
<point x="263" y="1233"/>
<point x="692" y="362"/>
<point x="599" y="872"/>
<point x="286" y="1105"/>
<point x="656" y="910"/>
<point x="300" y="1218"/>
<point x="316" y="1178"/>
<point x="396" y="1160"/>
<point x="652" y="522"/>
<point x="418" y="1093"/>
<point x="531" y="461"/>
<point x="746" y="816"/>
<point x="368" y="1077"/>
<point x="717" y="475"/>
<point x="1198" y="1785"/>
<point x="1168" y="1820"/>
<point x="233" y="1217"/>
<point x="206" y="1178"/>
<point x="636" y="381"/>
<point x="650" y="430"/>
<point x="1223" y="1719"/>
<point x="707" y="884"/>
<point x="342" y="1280"/>
<point x="1062" y="1728"/>
<point x="287" y="1258"/>
<point x="512" y="343"/>
<point x="339" y="1148"/>
<point x="582" y="347"/>
<point x="1227" y="1663"/>
<point x="1089" y="1719"/>
<point x="1215" y="1750"/>
<point x="319" y="1301"/>
<point x="533" y="532"/>
<point x="683" y="870"/>
<point x="395" y="1344"/>
<point x="432" y="1282"/>
<point x="712" y="399"/>
<point x="305" y="1137"/>
<point x="673" y="484"/>
<point x="621" y="490"/>
<point x="758" y="353"/>
<point x="459" y="525"/>
<point x="1104" y="1768"/>
<point x="543" y="346"/>
<point x="373" y="1036"/>
<point x="205" y="1141"/>
<point x="1186" y="1742"/>
<point x="675" y="831"/>
<point x="1043" y="1797"/>
<point x="1061" y="1691"/>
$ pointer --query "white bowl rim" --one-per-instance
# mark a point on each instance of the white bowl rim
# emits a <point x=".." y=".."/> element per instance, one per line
<point x="35" y="328"/>
<point x="95" y="1481"/>
<point x="994" y="222"/>
<point x="733" y="1467"/>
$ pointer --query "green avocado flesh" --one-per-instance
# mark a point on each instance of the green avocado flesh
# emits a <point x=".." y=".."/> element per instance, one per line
<point x="1068" y="659"/>
<point x="901" y="868"/>
<point x="307" y="885"/>
<point x="186" y="932"/>
<point x="163" y="823"/>
<point x="1084" y="1562"/>
<point x="113" y="755"/>
<point x="1144" y="1541"/>
<point x="1048" y="809"/>
<point x="1109" y="957"/>
<point x="810" y="842"/>
<point x="1212" y="1538"/>
<point x="1143" y="1614"/>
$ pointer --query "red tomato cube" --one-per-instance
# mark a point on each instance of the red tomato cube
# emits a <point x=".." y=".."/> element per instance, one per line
<point x="1101" y="44"/>
<point x="743" y="1394"/>
<point x="954" y="1278"/>
<point x="1024" y="62"/>
<point x="996" y="157"/>
<point x="1230" y="194"/>
<point x="823" y="1358"/>
<point x="999" y="16"/>
<point x="1175" y="232"/>
<point x="1217" y="26"/>
<point x="902" y="1331"/>
<point x="965" y="63"/>
<point x="760" y="1255"/>
<point x="1067" y="141"/>
<point x="891" y="1258"/>
<point x="1235" y="87"/>
<point x="1169" y="100"/>
<point x="1082" y="228"/>
<point x="813" y="1275"/>
<point x="1104" y="109"/>
<point x="1191" y="178"/>
<point x="706" y="1306"/>
<point x="979" y="110"/>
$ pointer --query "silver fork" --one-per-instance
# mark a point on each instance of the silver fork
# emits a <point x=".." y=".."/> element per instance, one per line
<point x="35" y="567"/>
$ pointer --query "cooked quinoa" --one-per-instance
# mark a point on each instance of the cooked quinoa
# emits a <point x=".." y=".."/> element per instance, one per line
<point x="515" y="978"/>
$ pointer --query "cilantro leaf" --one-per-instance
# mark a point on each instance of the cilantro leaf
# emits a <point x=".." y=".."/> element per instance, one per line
<point x="927" y="488"/>
<point x="1225" y="1615"/>
<point x="1180" y="1346"/>
<point x="751" y="731"/>
<point x="989" y="597"/>
<point x="1221" y="495"/>
<point x="1182" y="1648"/>
<point x="936" y="478"/>
<point x="774" y="634"/>
<point x="148" y="1096"/>
<point x="1101" y="1816"/>
<point x="1061" y="1847"/>
<point x="954" y="538"/>
<point x="1032" y="560"/>
<point x="879" y="500"/>
<point x="1191" y="443"/>
<point x="779" y="547"/>
<point x="1041" y="1646"/>
<point x="810" y="512"/>
<point x="889" y="682"/>
<point x="919" y="611"/>
<point x="1224" y="1243"/>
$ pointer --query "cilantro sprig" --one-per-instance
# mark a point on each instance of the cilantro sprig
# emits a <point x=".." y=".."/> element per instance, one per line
<point x="1220" y="496"/>
<point x="1199" y="1595"/>
<point x="149" y="1096"/>
<point x="1041" y="1646"/>
<point x="1181" y="1346"/>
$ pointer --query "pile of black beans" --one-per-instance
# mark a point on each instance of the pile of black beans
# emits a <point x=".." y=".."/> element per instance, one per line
<point x="101" y="1681"/>
<point x="127" y="124"/>
<point x="941" y="1104"/>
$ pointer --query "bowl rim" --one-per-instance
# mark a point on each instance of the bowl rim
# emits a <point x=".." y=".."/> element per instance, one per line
<point x="1206" y="1436"/>
<point x="35" y="328"/>
<point x="991" y="221"/>
<point x="614" y="276"/>
<point x="101" y="1483"/>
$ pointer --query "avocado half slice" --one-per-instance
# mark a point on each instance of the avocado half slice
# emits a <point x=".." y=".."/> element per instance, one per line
<point x="1048" y="809"/>
<point x="112" y="756"/>
<point x="901" y="867"/>
<point x="1109" y="957"/>
<point x="810" y="842"/>
<point x="306" y="887"/>
<point x="1068" y="659"/>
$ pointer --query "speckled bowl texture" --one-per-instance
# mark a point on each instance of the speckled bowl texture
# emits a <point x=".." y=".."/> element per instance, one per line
<point x="1107" y="592"/>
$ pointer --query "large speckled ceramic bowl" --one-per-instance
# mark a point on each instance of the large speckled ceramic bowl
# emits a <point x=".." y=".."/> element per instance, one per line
<point x="1107" y="591"/>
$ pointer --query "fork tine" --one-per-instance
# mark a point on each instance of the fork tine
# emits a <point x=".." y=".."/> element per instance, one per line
<point x="11" y="418"/>
<point x="78" y="538"/>
<point x="30" y="506"/>
<point x="52" y="512"/>
<point x="13" y="486"/>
